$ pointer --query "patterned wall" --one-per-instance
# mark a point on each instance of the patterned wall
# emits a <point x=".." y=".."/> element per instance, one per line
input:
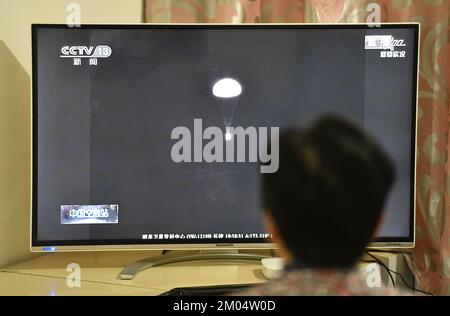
<point x="430" y="259"/>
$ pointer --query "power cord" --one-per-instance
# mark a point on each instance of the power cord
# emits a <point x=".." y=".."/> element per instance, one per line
<point x="390" y="271"/>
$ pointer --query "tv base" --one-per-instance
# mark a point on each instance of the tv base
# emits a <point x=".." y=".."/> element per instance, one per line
<point x="129" y="272"/>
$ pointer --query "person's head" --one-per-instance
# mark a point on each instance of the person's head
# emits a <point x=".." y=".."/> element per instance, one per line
<point x="325" y="201"/>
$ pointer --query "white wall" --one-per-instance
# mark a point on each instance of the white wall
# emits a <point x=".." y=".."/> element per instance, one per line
<point x="16" y="17"/>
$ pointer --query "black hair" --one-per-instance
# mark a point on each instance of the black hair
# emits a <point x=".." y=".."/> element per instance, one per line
<point x="327" y="196"/>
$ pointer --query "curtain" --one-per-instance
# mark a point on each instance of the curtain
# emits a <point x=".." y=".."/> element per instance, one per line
<point x="430" y="259"/>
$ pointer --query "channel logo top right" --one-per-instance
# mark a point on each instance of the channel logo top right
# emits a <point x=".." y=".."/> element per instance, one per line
<point x="389" y="46"/>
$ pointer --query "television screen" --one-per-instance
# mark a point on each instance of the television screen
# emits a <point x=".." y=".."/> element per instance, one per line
<point x="153" y="135"/>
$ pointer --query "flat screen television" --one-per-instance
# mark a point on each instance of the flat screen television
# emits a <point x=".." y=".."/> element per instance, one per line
<point x="111" y="101"/>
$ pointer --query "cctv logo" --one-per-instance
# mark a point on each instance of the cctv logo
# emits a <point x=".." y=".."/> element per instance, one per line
<point x="100" y="51"/>
<point x="91" y="52"/>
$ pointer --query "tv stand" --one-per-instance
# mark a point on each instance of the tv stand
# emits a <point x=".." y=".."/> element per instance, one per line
<point x="129" y="272"/>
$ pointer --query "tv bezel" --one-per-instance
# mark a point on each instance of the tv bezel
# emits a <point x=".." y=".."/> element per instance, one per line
<point x="37" y="245"/>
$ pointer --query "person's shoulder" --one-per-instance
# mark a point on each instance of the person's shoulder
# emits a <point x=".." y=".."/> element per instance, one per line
<point x="293" y="282"/>
<point x="389" y="291"/>
<point x="320" y="282"/>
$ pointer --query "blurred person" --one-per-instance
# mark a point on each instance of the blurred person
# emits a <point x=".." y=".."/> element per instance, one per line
<point x="323" y="207"/>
